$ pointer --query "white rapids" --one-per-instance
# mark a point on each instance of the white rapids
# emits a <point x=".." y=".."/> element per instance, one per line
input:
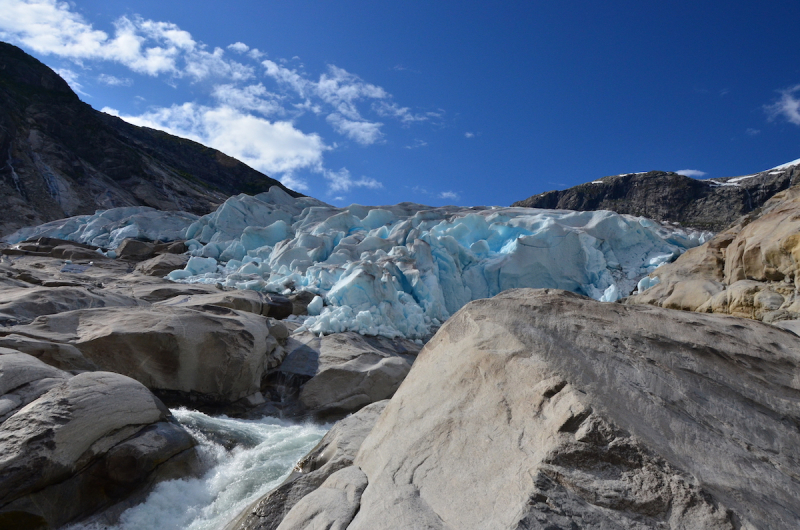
<point x="264" y="454"/>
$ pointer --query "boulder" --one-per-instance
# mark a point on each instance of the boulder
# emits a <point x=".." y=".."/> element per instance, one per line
<point x="135" y="250"/>
<point x="74" y="445"/>
<point x="215" y="356"/>
<point x="266" y="304"/>
<point x="62" y="356"/>
<point x="300" y="301"/>
<point x="162" y="264"/>
<point x="335" y="452"/>
<point x="545" y="409"/>
<point x="342" y="372"/>
<point x="22" y="305"/>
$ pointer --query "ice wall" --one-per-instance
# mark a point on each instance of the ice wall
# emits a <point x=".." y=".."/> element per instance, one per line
<point x="402" y="270"/>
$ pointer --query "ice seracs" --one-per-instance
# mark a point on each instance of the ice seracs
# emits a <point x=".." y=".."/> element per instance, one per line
<point x="398" y="270"/>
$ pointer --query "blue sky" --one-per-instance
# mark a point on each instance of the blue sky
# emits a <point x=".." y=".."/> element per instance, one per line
<point x="439" y="102"/>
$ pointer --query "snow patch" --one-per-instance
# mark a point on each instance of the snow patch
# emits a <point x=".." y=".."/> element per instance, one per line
<point x="787" y="165"/>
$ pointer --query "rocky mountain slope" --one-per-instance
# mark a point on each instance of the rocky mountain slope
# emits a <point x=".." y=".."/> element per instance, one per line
<point x="750" y="270"/>
<point x="60" y="158"/>
<point x="664" y="196"/>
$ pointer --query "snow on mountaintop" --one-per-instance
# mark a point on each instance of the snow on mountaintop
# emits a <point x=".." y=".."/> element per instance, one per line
<point x="787" y="165"/>
<point x="398" y="270"/>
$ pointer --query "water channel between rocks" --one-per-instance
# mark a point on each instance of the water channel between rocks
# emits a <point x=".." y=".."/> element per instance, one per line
<point x="245" y="460"/>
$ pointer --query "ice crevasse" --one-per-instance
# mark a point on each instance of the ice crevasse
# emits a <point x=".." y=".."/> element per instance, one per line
<point x="398" y="270"/>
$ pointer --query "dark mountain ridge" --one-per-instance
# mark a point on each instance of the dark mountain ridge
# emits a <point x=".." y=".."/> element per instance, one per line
<point x="59" y="157"/>
<point x="711" y="204"/>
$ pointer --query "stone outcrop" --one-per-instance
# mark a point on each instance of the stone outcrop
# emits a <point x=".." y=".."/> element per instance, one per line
<point x="215" y="356"/>
<point x="335" y="452"/>
<point x="337" y="374"/>
<point x="750" y="270"/>
<point x="49" y="172"/>
<point x="545" y="409"/>
<point x="711" y="204"/>
<point x="73" y="445"/>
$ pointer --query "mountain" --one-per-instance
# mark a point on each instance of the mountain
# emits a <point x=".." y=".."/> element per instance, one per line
<point x="712" y="204"/>
<point x="61" y="158"/>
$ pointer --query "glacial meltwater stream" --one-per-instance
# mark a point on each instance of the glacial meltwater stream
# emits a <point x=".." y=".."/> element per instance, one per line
<point x="259" y="455"/>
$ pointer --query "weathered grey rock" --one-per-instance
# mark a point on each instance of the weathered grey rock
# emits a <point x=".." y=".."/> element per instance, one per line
<point x="22" y="305"/>
<point x="217" y="355"/>
<point x="332" y="506"/>
<point x="135" y="250"/>
<point x="335" y="452"/>
<point x="62" y="356"/>
<point x="77" y="444"/>
<point x="266" y="304"/>
<point x="162" y="264"/>
<point x="300" y="301"/>
<point x="342" y="372"/>
<point x="541" y="408"/>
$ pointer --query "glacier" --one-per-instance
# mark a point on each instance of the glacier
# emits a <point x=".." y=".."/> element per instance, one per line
<point x="396" y="271"/>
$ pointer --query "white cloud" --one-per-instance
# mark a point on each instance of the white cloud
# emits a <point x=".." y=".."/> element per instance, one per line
<point x="787" y="107"/>
<point x="417" y="144"/>
<point x="271" y="147"/>
<point x="752" y="132"/>
<point x="450" y="195"/>
<point x="691" y="172"/>
<point x="111" y="80"/>
<point x="363" y="132"/>
<point x="342" y="181"/>
<point x="394" y="110"/>
<point x="145" y="46"/>
<point x="239" y="47"/>
<point x="252" y="97"/>
<point x="469" y="135"/>
<point x="71" y="77"/>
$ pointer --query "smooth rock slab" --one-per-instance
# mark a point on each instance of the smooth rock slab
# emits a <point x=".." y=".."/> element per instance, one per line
<point x="77" y="444"/>
<point x="217" y="355"/>
<point x="347" y="371"/>
<point x="541" y="407"/>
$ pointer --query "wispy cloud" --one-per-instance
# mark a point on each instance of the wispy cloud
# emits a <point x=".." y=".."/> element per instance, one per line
<point x="787" y="106"/>
<point x="417" y="144"/>
<point x="342" y="181"/>
<point x="752" y="132"/>
<point x="469" y="135"/>
<point x="449" y="195"/>
<point x="363" y="132"/>
<point x="71" y="77"/>
<point x="691" y="172"/>
<point x="111" y="80"/>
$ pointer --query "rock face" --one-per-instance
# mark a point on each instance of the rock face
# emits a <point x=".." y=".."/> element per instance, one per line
<point x="340" y="373"/>
<point x="749" y="270"/>
<point x="665" y="196"/>
<point x="217" y="355"/>
<point x="70" y="446"/>
<point x="544" y="409"/>
<point x="334" y="452"/>
<point x="48" y="172"/>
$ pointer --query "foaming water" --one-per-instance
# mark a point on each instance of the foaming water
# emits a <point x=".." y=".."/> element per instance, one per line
<point x="262" y="456"/>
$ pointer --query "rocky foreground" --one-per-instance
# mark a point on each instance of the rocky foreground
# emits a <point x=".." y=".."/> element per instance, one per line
<point x="545" y="409"/>
<point x="538" y="408"/>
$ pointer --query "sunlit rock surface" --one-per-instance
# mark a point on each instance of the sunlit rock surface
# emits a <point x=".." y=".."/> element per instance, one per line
<point x="397" y="270"/>
<point x="545" y="409"/>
